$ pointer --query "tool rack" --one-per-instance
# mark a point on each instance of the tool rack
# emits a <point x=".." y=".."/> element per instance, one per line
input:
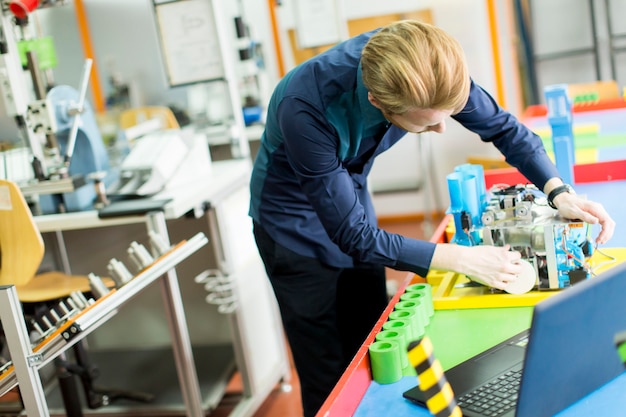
<point x="28" y="360"/>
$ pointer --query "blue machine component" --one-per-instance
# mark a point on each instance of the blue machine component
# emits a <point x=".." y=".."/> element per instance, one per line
<point x="520" y="217"/>
<point x="572" y="247"/>
<point x="560" y="119"/>
<point x="89" y="155"/>
<point x="468" y="199"/>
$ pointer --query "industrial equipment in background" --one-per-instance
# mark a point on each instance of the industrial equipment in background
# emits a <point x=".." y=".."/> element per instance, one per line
<point x="519" y="215"/>
<point x="63" y="147"/>
<point x="62" y="163"/>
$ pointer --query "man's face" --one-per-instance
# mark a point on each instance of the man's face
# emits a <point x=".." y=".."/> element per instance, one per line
<point x="416" y="120"/>
<point x="420" y="120"/>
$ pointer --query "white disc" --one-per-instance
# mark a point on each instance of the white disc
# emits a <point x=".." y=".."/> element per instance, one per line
<point x="525" y="281"/>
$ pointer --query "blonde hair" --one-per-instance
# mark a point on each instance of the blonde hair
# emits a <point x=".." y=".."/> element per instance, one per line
<point x="410" y="64"/>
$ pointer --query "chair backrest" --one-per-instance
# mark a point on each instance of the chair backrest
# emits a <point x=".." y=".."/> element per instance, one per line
<point x="21" y="244"/>
<point x="132" y="117"/>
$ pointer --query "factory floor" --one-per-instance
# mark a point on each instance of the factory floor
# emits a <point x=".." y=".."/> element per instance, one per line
<point x="287" y="404"/>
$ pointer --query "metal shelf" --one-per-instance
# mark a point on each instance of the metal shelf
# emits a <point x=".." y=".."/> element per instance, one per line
<point x="587" y="50"/>
<point x="28" y="360"/>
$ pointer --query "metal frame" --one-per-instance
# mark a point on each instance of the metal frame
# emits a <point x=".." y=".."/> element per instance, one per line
<point x="27" y="361"/>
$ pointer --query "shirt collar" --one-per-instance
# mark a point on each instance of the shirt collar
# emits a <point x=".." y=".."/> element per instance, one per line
<point x="372" y="116"/>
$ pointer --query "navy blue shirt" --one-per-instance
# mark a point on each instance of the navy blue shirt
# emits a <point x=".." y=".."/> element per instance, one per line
<point x="309" y="181"/>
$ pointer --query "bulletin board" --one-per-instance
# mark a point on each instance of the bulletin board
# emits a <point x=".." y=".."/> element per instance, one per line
<point x="319" y="23"/>
<point x="355" y="27"/>
<point x="189" y="41"/>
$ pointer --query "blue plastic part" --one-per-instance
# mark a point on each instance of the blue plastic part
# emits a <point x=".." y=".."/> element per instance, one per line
<point x="468" y="199"/>
<point x="89" y="155"/>
<point x="560" y="119"/>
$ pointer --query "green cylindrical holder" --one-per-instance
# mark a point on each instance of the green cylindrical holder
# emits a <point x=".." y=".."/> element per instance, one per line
<point x="412" y="316"/>
<point x="400" y="338"/>
<point x="385" y="361"/>
<point x="427" y="290"/>
<point x="412" y="306"/>
<point x="422" y="305"/>
<point x="403" y="326"/>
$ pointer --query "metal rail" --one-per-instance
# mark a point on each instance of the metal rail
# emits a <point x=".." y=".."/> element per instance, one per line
<point x="27" y="360"/>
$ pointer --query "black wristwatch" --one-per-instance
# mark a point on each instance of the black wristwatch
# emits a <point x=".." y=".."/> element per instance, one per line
<point x="565" y="188"/>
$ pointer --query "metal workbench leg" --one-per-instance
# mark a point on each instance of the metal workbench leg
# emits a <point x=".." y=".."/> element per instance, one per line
<point x="181" y="342"/>
<point x="24" y="361"/>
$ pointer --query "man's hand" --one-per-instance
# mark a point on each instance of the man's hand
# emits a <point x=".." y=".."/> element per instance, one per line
<point x="490" y="265"/>
<point x="574" y="207"/>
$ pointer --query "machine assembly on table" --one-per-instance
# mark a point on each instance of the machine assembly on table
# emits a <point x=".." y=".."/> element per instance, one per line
<point x="519" y="216"/>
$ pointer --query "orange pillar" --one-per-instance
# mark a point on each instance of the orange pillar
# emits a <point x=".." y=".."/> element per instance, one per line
<point x="99" y="103"/>
<point x="276" y="35"/>
<point x="495" y="47"/>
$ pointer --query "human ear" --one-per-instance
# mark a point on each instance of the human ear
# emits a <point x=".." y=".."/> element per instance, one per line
<point x="373" y="101"/>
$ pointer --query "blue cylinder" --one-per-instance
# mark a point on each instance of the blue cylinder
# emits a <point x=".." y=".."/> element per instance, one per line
<point x="470" y="195"/>
<point x="454" y="189"/>
<point x="481" y="189"/>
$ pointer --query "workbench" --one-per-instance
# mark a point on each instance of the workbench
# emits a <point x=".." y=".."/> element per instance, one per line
<point x="460" y="334"/>
<point x="242" y="332"/>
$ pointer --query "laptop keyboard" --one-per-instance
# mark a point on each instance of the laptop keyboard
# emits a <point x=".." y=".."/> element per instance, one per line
<point x="494" y="398"/>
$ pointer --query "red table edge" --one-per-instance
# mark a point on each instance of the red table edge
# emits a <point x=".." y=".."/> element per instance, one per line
<point x="347" y="394"/>
<point x="604" y="171"/>
<point x="541" y="110"/>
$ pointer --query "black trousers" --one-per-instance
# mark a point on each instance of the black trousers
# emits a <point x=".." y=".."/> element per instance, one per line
<point x="327" y="313"/>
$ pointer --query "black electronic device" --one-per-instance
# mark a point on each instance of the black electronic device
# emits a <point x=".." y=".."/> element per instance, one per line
<point x="568" y="352"/>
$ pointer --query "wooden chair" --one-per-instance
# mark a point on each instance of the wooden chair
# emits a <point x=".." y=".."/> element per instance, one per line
<point x="21" y="253"/>
<point x="132" y="117"/>
<point x="22" y="250"/>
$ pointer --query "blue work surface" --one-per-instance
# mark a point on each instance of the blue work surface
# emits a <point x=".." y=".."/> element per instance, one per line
<point x="382" y="400"/>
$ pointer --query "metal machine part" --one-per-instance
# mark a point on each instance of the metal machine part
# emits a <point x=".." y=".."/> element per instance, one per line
<point x="519" y="216"/>
<point x="118" y="271"/>
<point x="139" y="255"/>
<point x="557" y="248"/>
<point x="98" y="287"/>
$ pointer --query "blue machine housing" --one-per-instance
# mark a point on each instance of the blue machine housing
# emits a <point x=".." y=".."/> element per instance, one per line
<point x="89" y="155"/>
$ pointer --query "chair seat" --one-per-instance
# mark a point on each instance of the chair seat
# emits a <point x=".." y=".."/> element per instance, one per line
<point x="54" y="285"/>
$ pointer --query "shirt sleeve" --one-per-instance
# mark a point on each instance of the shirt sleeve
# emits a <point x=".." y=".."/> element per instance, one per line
<point x="521" y="147"/>
<point x="311" y="146"/>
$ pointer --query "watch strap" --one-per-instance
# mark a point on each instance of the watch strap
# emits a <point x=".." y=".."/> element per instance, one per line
<point x="565" y="188"/>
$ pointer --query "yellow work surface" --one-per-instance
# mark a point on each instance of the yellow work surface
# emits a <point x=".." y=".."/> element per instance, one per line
<point x="451" y="290"/>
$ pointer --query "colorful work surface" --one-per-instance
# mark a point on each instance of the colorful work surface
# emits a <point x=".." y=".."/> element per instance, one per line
<point x="598" y="135"/>
<point x="453" y="291"/>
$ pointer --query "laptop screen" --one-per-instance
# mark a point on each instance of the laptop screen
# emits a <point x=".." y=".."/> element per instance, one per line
<point x="572" y="348"/>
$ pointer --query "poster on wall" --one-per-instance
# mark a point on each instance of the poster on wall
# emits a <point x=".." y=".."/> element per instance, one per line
<point x="189" y="41"/>
<point x="319" y="23"/>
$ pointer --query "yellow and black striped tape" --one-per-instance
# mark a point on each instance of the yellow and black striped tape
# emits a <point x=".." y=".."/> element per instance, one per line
<point x="437" y="392"/>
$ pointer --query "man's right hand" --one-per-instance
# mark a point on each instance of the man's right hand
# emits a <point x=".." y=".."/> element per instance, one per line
<point x="494" y="266"/>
